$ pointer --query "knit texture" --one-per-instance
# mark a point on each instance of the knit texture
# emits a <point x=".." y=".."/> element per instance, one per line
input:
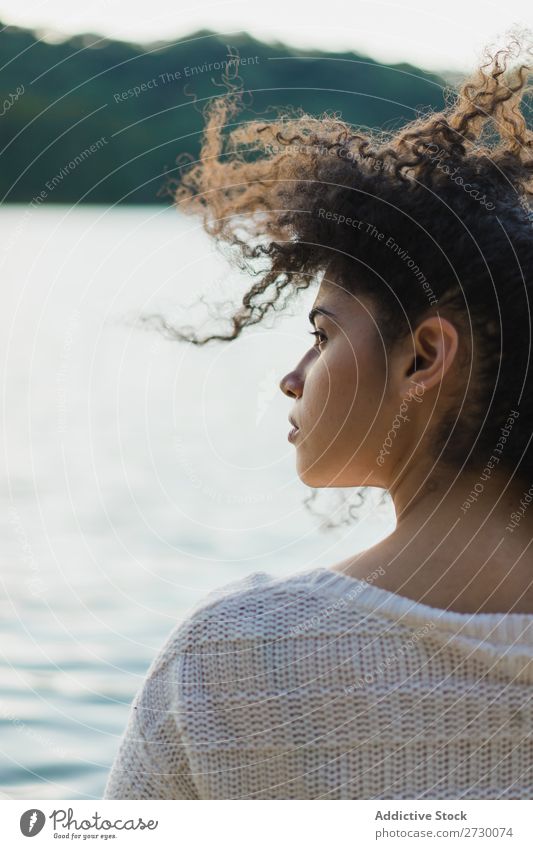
<point x="321" y="686"/>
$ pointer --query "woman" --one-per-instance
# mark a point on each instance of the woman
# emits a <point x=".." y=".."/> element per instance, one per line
<point x="405" y="672"/>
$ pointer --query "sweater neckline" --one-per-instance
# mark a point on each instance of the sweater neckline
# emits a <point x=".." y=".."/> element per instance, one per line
<point x="497" y="628"/>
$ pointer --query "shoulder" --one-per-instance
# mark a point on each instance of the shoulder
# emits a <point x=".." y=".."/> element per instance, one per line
<point x="263" y="619"/>
<point x="256" y="606"/>
<point x="207" y="621"/>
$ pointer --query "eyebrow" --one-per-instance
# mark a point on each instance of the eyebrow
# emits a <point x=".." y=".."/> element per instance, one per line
<point x="320" y="311"/>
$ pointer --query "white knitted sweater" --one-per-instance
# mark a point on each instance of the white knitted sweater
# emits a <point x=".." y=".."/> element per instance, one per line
<point x="321" y="686"/>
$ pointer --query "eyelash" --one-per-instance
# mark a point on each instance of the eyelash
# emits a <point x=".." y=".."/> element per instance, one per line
<point x="316" y="334"/>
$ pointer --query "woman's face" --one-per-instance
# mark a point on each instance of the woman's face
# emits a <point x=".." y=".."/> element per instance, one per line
<point x="341" y="403"/>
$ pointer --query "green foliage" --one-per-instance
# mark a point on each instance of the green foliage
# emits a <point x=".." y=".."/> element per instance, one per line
<point x="75" y="92"/>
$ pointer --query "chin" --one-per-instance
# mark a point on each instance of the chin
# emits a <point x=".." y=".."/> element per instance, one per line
<point x="312" y="482"/>
<point x="318" y="477"/>
<point x="315" y="476"/>
<point x="311" y="477"/>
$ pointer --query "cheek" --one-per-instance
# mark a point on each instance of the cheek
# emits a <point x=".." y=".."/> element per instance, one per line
<point x="347" y="394"/>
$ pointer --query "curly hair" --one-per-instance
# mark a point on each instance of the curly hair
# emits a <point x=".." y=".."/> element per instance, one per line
<point x="434" y="218"/>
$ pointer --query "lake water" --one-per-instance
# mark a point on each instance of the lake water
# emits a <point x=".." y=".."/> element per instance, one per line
<point x="138" y="473"/>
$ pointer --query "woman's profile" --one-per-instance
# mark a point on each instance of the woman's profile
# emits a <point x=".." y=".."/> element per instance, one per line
<point x="405" y="671"/>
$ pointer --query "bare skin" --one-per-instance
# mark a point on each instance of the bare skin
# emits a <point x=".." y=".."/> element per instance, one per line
<point x="347" y="391"/>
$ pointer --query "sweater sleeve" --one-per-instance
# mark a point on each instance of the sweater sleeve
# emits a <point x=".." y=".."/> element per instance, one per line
<point x="152" y="762"/>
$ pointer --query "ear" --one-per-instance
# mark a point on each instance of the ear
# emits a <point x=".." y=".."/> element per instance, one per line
<point x="433" y="347"/>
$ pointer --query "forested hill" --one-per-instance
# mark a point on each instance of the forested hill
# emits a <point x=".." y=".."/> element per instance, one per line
<point x="93" y="120"/>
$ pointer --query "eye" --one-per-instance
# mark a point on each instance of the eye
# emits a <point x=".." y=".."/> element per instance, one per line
<point x="319" y="336"/>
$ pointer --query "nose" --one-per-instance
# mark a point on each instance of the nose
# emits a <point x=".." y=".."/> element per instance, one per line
<point x="292" y="384"/>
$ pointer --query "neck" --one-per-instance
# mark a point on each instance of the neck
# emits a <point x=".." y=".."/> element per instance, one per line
<point x="461" y="542"/>
<point x="460" y="496"/>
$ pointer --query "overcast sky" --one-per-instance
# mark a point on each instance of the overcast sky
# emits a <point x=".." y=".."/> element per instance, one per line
<point x="445" y="35"/>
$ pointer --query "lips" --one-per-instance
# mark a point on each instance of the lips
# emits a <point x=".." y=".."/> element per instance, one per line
<point x="294" y="430"/>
